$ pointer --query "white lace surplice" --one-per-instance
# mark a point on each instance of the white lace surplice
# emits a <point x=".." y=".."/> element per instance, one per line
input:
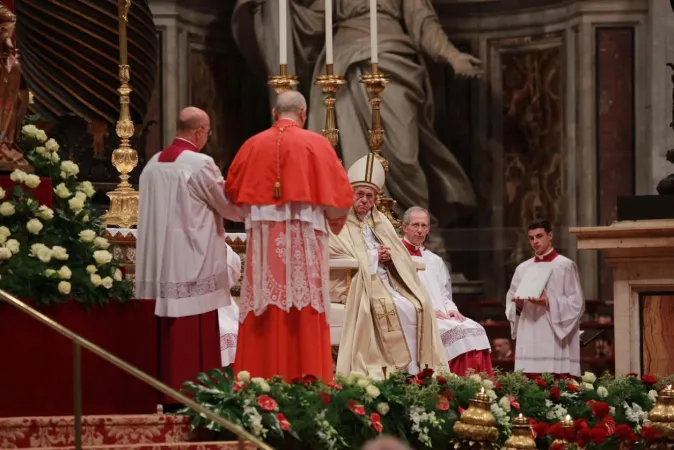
<point x="228" y="316"/>
<point x="286" y="258"/>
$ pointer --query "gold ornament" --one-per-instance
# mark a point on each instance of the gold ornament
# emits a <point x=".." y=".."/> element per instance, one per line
<point x="477" y="423"/>
<point x="283" y="82"/>
<point x="662" y="414"/>
<point x="567" y="423"/>
<point x="522" y="437"/>
<point x="330" y="84"/>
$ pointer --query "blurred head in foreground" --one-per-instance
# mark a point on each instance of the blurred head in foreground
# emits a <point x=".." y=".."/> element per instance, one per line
<point x="385" y="443"/>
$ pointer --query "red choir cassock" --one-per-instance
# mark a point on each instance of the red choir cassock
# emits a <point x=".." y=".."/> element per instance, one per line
<point x="288" y="182"/>
<point x="182" y="257"/>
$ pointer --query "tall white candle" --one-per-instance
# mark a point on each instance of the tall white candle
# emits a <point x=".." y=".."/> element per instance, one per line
<point x="283" y="31"/>
<point x="373" y="32"/>
<point x="328" y="32"/>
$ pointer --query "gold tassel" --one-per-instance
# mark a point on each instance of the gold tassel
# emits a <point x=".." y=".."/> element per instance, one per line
<point x="277" y="190"/>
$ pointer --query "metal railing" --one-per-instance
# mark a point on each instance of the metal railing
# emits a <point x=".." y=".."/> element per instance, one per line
<point x="79" y="342"/>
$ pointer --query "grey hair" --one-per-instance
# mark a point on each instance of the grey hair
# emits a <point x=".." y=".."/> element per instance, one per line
<point x="385" y="443"/>
<point x="413" y="209"/>
<point x="290" y="102"/>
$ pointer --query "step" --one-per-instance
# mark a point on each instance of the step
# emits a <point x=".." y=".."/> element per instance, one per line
<point x="113" y="430"/>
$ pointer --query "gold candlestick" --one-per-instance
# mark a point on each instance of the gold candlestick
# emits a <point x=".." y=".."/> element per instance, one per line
<point x="662" y="414"/>
<point x="375" y="83"/>
<point x="283" y="82"/>
<point x="522" y="437"/>
<point x="477" y="423"/>
<point x="330" y="84"/>
<point x="123" y="210"/>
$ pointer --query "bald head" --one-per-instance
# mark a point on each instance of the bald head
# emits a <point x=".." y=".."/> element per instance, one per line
<point x="385" y="443"/>
<point x="194" y="125"/>
<point x="291" y="105"/>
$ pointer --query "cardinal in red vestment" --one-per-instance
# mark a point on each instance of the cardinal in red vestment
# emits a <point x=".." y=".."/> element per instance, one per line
<point x="181" y="251"/>
<point x="290" y="187"/>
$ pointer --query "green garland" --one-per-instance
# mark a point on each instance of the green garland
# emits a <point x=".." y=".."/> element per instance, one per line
<point x="48" y="255"/>
<point x="422" y="409"/>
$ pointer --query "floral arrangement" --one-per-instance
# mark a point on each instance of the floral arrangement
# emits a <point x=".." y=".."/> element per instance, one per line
<point x="422" y="409"/>
<point x="52" y="255"/>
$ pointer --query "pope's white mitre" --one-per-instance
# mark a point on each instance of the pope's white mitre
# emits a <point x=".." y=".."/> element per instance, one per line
<point x="367" y="171"/>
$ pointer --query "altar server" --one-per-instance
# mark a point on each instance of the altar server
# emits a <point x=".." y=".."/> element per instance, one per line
<point x="465" y="341"/>
<point x="181" y="251"/>
<point x="547" y="329"/>
<point x="228" y="316"/>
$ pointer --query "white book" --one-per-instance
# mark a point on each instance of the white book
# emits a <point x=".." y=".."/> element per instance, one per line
<point x="534" y="281"/>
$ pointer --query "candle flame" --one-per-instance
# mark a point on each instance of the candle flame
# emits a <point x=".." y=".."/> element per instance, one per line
<point x="521" y="415"/>
<point x="482" y="391"/>
<point x="669" y="387"/>
<point x="568" y="417"/>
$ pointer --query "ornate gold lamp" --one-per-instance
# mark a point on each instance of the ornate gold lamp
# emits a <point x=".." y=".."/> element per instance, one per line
<point x="283" y="82"/>
<point x="567" y="424"/>
<point x="330" y="84"/>
<point x="662" y="414"/>
<point x="375" y="83"/>
<point x="123" y="210"/>
<point x="522" y="437"/>
<point x="477" y="424"/>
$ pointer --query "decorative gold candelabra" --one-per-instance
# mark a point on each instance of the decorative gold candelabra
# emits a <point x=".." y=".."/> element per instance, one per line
<point x="477" y="424"/>
<point x="283" y="82"/>
<point x="522" y="437"/>
<point x="375" y="83"/>
<point x="662" y="414"/>
<point x="567" y="426"/>
<point x="123" y="210"/>
<point x="330" y="84"/>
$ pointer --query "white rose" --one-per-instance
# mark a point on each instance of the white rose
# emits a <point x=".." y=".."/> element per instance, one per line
<point x="101" y="242"/>
<point x="65" y="273"/>
<point x="42" y="151"/>
<point x="102" y="257"/>
<point x="32" y="181"/>
<point x="31" y="97"/>
<point x="476" y="377"/>
<point x="40" y="135"/>
<point x="602" y="392"/>
<point x="491" y="394"/>
<point x="4" y="234"/>
<point x="2" y="193"/>
<point x="383" y="408"/>
<point x="45" y="212"/>
<point x="50" y="273"/>
<point x="51" y="145"/>
<point x="504" y="403"/>
<point x="653" y="395"/>
<point x="85" y="219"/>
<point x="91" y="269"/>
<point x="117" y="276"/>
<point x="87" y="188"/>
<point x="68" y="169"/>
<point x="95" y="279"/>
<point x="13" y="246"/>
<point x="5" y="253"/>
<point x="62" y="191"/>
<point x="29" y="131"/>
<point x="7" y="209"/>
<point x="18" y="176"/>
<point x="76" y="204"/>
<point x="60" y="253"/>
<point x="589" y="377"/>
<point x="261" y="383"/>
<point x="244" y="376"/>
<point x="36" y="248"/>
<point x="372" y="391"/>
<point x="34" y="226"/>
<point x="363" y="382"/>
<point x="64" y="287"/>
<point x="487" y="384"/>
<point x="44" y="254"/>
<point x="81" y="195"/>
<point x="55" y="157"/>
<point x="107" y="282"/>
<point x="87" y="235"/>
<point x="588" y="386"/>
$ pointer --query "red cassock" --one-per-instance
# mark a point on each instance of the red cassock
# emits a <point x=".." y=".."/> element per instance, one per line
<point x="284" y="299"/>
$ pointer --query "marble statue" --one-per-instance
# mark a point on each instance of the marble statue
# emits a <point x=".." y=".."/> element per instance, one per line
<point x="14" y="95"/>
<point x="420" y="165"/>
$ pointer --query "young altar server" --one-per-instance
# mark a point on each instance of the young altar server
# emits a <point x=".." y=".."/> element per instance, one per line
<point x="465" y="341"/>
<point x="181" y="251"/>
<point x="547" y="327"/>
<point x="228" y="316"/>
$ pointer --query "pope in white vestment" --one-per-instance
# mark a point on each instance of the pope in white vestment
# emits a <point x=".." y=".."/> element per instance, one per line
<point x="547" y="329"/>
<point x="228" y="316"/>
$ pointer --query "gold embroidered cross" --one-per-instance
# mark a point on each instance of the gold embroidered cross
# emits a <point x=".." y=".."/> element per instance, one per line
<point x="387" y="314"/>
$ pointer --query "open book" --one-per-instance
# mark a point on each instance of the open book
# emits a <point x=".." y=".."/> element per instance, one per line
<point x="534" y="281"/>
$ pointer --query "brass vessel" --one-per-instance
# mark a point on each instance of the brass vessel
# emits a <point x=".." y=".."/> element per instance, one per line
<point x="662" y="414"/>
<point x="566" y="424"/>
<point x="477" y="423"/>
<point x="523" y="437"/>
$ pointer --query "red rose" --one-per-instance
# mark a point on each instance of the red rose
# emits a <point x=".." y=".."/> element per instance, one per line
<point x="598" y="434"/>
<point x="310" y="379"/>
<point x="541" y="429"/>
<point x="556" y="431"/>
<point x="283" y="422"/>
<point x="541" y="383"/>
<point x="557" y="446"/>
<point x="355" y="408"/>
<point x="375" y="419"/>
<point x="447" y="393"/>
<point x="334" y="385"/>
<point x="649" y="379"/>
<point x="426" y="373"/>
<point x="442" y="403"/>
<point x="239" y="386"/>
<point x="572" y="387"/>
<point x="417" y="380"/>
<point x="267" y="403"/>
<point x="513" y="402"/>
<point x="583" y="436"/>
<point x="580" y="424"/>
<point x="623" y="432"/>
<point x="555" y="394"/>
<point x="600" y="409"/>
<point x="297" y="380"/>
<point x="441" y="380"/>
<point x="648" y="433"/>
<point x="325" y="398"/>
<point x="497" y="385"/>
<point x="632" y="374"/>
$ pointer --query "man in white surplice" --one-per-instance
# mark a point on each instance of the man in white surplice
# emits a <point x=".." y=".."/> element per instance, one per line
<point x="228" y="316"/>
<point x="547" y="329"/>
<point x="465" y="341"/>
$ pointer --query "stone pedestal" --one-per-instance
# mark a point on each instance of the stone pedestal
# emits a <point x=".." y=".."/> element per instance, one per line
<point x="641" y="254"/>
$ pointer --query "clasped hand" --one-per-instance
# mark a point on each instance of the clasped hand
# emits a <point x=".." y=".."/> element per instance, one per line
<point x="384" y="254"/>
<point x="542" y="301"/>
<point x="456" y="315"/>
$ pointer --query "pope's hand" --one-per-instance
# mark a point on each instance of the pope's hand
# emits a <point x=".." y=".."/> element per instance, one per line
<point x="384" y="254"/>
<point x="456" y="315"/>
<point x="466" y="65"/>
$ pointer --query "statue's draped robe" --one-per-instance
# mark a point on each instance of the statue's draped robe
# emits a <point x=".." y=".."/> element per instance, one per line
<point x="418" y="159"/>
<point x="368" y="344"/>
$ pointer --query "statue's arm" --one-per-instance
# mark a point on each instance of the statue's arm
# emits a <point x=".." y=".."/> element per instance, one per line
<point x="426" y="32"/>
